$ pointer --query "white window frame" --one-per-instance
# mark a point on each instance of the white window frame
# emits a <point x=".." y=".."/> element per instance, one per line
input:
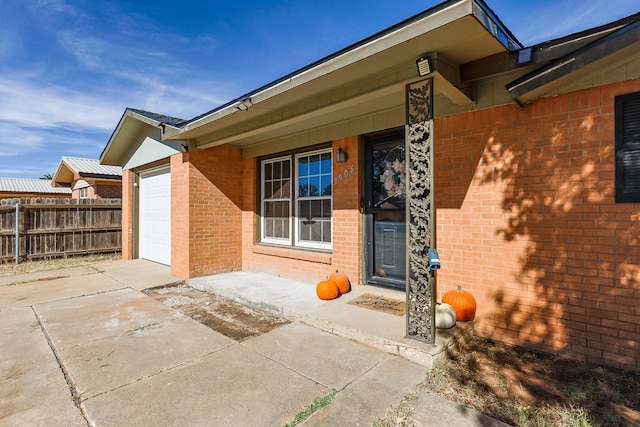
<point x="263" y="228"/>
<point x="294" y="233"/>
<point x="306" y="243"/>
<point x="84" y="192"/>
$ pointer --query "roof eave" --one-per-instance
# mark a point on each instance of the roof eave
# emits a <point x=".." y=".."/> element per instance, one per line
<point x="583" y="61"/>
<point x="131" y="122"/>
<point x="435" y="17"/>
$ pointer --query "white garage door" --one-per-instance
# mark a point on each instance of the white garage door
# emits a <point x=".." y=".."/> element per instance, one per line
<point x="155" y="216"/>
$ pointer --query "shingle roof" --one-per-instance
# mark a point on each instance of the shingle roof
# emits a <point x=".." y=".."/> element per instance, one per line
<point x="161" y="118"/>
<point x="22" y="185"/>
<point x="91" y="167"/>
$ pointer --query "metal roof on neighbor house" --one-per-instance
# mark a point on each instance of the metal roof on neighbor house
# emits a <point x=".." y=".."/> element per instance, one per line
<point x="91" y="167"/>
<point x="21" y="185"/>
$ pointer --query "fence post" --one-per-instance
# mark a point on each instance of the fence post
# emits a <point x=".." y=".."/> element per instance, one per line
<point x="17" y="248"/>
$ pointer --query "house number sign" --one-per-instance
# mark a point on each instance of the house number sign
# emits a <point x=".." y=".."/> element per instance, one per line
<point x="345" y="174"/>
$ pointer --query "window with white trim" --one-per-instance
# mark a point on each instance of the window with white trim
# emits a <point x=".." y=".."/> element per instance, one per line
<point x="84" y="193"/>
<point x="296" y="199"/>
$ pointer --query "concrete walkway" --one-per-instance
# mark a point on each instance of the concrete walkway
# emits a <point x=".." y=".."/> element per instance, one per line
<point x="83" y="346"/>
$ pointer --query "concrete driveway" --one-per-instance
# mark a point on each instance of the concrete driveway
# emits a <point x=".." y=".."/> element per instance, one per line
<point x="83" y="346"/>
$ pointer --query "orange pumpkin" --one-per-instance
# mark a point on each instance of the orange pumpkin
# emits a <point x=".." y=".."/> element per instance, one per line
<point x="462" y="302"/>
<point x="342" y="281"/>
<point x="327" y="289"/>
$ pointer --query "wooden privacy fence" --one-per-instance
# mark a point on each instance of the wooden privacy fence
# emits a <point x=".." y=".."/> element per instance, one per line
<point x="49" y="228"/>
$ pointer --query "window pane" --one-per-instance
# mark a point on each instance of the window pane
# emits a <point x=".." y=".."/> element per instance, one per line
<point x="268" y="192"/>
<point x="326" y="231"/>
<point x="285" y="228"/>
<point x="326" y="208"/>
<point x="268" y="227"/>
<point x="325" y="167"/>
<point x="277" y="169"/>
<point x="286" y="169"/>
<point x="303" y="166"/>
<point x="267" y="171"/>
<point x="316" y="231"/>
<point x="314" y="186"/>
<point x="314" y="164"/>
<point x="304" y="209"/>
<point x="276" y="189"/>
<point x="303" y="187"/>
<point x="325" y="185"/>
<point x="286" y="189"/>
<point x="277" y="228"/>
<point x="304" y="229"/>
<point x="284" y="209"/>
<point x="316" y="209"/>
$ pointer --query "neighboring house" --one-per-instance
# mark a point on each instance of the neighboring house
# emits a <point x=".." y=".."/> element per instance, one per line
<point x="536" y="176"/>
<point x="20" y="187"/>
<point x="88" y="179"/>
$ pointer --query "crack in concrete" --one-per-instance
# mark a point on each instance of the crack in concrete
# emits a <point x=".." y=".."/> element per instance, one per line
<point x="73" y="390"/>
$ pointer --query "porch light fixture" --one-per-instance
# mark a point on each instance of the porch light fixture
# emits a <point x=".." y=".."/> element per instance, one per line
<point x="184" y="148"/>
<point x="424" y="66"/>
<point x="341" y="156"/>
<point x="244" y="104"/>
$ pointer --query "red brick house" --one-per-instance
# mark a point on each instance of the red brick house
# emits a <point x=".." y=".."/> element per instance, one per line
<point x="536" y="176"/>
<point x="88" y="179"/>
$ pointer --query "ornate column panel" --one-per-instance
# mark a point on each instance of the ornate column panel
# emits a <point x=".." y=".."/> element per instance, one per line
<point x="420" y="216"/>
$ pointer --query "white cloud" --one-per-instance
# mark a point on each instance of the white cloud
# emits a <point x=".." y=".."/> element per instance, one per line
<point x="87" y="50"/>
<point x="32" y="103"/>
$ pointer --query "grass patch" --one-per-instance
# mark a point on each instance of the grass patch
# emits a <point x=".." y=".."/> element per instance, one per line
<point x="318" y="403"/>
<point x="143" y="328"/>
<point x="10" y="268"/>
<point x="400" y="415"/>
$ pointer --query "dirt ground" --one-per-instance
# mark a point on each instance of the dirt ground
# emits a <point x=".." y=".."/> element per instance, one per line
<point x="226" y="317"/>
<point x="526" y="388"/>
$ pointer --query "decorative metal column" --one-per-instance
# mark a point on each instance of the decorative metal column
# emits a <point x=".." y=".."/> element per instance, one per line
<point x="421" y="299"/>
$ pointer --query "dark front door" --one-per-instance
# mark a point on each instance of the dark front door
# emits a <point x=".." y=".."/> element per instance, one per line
<point x="385" y="202"/>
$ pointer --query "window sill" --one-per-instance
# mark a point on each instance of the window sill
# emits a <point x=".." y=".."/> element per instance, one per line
<point x="293" y="253"/>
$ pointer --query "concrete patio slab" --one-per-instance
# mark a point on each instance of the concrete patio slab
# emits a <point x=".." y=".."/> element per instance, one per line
<point x="46" y="275"/>
<point x="100" y="341"/>
<point x="371" y="395"/>
<point x="42" y="291"/>
<point x="32" y="389"/>
<point x="316" y="354"/>
<point x="234" y="387"/>
<point x="137" y="362"/>
<point x="112" y="362"/>
<point x="434" y="411"/>
<point x="138" y="273"/>
<point x="298" y="301"/>
<point x="108" y="314"/>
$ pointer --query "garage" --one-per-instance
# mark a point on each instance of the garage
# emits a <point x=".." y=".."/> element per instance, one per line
<point x="155" y="216"/>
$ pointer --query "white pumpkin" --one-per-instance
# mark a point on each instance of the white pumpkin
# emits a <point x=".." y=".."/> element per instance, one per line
<point x="445" y="316"/>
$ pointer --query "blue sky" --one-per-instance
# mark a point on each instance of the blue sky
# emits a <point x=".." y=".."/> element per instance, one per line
<point x="69" y="68"/>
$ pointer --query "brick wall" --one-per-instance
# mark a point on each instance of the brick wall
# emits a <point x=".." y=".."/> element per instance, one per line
<point x="526" y="221"/>
<point x="127" y="214"/>
<point x="108" y="191"/>
<point x="180" y="215"/>
<point x="206" y="198"/>
<point x="306" y="265"/>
